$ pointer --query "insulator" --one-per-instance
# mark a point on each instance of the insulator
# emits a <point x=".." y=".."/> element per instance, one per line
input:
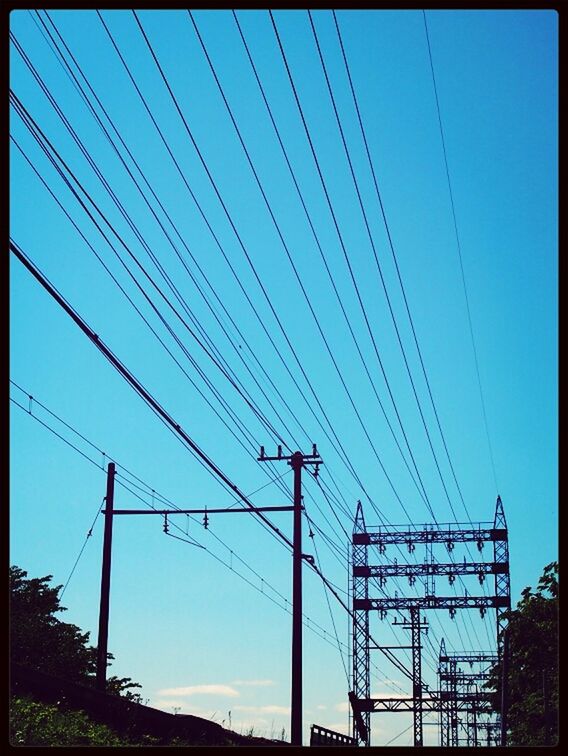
<point x="261" y="452"/>
<point x="450" y="545"/>
<point x="382" y="613"/>
<point x="452" y="578"/>
<point x="410" y="546"/>
<point x="279" y="452"/>
<point x="382" y="581"/>
<point x="411" y="580"/>
<point x="482" y="611"/>
<point x="480" y="545"/>
<point x="481" y="577"/>
<point x="382" y="548"/>
<point x="452" y="612"/>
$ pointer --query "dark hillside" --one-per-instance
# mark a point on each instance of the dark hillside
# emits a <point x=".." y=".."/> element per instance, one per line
<point x="132" y="721"/>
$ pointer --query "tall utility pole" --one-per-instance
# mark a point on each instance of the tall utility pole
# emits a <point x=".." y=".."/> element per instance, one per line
<point x="297" y="461"/>
<point x="102" y="643"/>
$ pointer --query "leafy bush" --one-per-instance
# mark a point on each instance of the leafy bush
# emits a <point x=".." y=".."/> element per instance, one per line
<point x="39" y="724"/>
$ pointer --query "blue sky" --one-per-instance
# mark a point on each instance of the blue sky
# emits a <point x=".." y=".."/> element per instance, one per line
<point x="195" y="634"/>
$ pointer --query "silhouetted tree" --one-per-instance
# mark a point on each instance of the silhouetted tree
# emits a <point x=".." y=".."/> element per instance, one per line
<point x="38" y="639"/>
<point x="532" y="717"/>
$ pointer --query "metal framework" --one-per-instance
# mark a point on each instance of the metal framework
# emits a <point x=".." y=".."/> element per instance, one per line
<point x="459" y="693"/>
<point x="456" y="686"/>
<point x="361" y="651"/>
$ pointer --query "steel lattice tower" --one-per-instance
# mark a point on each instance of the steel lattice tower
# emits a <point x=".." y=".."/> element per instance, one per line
<point x="502" y="578"/>
<point x="457" y="694"/>
<point x="361" y="656"/>
<point x="463" y="693"/>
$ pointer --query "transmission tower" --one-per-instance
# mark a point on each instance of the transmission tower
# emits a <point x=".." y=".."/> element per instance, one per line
<point x="457" y="693"/>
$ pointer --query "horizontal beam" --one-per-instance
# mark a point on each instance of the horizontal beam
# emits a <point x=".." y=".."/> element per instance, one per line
<point x="464" y="702"/>
<point x="432" y="602"/>
<point x="383" y="538"/>
<point x="162" y="512"/>
<point x="417" y="570"/>
<point x="489" y="658"/>
<point x="448" y="535"/>
<point x="464" y="677"/>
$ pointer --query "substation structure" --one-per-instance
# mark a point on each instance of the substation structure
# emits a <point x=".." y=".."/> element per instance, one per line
<point x="461" y="701"/>
<point x="466" y="717"/>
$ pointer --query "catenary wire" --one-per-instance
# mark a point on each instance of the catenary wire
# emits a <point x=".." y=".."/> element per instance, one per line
<point x="458" y="245"/>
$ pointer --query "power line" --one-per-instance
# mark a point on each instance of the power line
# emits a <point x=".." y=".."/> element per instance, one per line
<point x="394" y="257"/>
<point x="175" y="428"/>
<point x="337" y="441"/>
<point x="395" y="261"/>
<point x="294" y="268"/>
<point x="458" y="244"/>
<point x="353" y="279"/>
<point x="338" y="520"/>
<point x="28" y="119"/>
<point x="310" y="622"/>
<point x="89" y="534"/>
<point x="60" y="57"/>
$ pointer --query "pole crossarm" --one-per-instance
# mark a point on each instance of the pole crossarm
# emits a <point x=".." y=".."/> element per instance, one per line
<point x="307" y="459"/>
<point x="250" y="510"/>
<point x="416" y="570"/>
<point x="431" y="602"/>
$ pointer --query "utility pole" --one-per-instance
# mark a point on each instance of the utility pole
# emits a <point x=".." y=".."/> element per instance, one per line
<point x="102" y="643"/>
<point x="297" y="461"/>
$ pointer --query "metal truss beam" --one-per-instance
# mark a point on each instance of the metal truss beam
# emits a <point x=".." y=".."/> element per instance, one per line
<point x="431" y="602"/>
<point x="418" y="570"/>
<point x="443" y="534"/>
<point x="463" y="701"/>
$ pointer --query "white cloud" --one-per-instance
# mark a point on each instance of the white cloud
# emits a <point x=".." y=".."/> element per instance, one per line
<point x="321" y="707"/>
<point x="268" y="709"/>
<point x="338" y="727"/>
<point x="343" y="706"/>
<point x="390" y="694"/>
<point x="167" y="704"/>
<point x="254" y="683"/>
<point x="208" y="690"/>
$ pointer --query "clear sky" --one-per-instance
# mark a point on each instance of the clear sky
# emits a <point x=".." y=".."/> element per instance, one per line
<point x="207" y="630"/>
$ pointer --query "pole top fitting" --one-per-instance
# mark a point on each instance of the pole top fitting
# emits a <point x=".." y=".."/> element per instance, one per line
<point x="297" y="460"/>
